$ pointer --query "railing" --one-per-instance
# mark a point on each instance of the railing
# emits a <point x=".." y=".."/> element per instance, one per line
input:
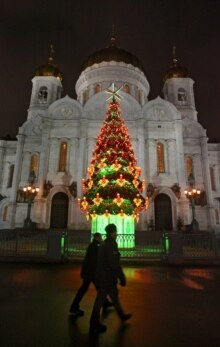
<point x="201" y="246"/>
<point x="129" y="246"/>
<point x="23" y="245"/>
<point x="147" y="246"/>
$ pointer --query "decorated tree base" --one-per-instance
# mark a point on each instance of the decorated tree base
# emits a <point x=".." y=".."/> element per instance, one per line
<point x="125" y="228"/>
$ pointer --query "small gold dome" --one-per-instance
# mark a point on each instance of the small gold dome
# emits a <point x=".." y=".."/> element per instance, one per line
<point x="176" y="71"/>
<point x="112" y="53"/>
<point x="49" y="69"/>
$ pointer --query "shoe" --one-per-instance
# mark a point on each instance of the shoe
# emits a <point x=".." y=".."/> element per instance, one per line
<point x="126" y="316"/>
<point x="97" y="329"/>
<point x="77" y="312"/>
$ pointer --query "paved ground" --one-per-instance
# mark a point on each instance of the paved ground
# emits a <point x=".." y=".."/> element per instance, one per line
<point x="171" y="307"/>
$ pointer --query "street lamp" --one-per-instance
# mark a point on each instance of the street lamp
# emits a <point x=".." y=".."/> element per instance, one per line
<point x="192" y="193"/>
<point x="30" y="192"/>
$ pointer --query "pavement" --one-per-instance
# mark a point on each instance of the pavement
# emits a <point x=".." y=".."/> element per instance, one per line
<point x="171" y="307"/>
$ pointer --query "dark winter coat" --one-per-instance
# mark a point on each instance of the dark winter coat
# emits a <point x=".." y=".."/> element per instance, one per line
<point x="90" y="261"/>
<point x="108" y="267"/>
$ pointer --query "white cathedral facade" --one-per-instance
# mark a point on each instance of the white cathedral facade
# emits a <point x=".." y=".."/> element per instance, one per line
<point x="57" y="140"/>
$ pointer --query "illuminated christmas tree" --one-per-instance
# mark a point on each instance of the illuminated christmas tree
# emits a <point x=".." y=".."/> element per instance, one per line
<point x="112" y="191"/>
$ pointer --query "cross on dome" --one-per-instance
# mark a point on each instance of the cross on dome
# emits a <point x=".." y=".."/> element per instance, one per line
<point x="114" y="93"/>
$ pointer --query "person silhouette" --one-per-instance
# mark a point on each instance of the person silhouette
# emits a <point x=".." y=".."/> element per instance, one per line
<point x="88" y="272"/>
<point x="107" y="274"/>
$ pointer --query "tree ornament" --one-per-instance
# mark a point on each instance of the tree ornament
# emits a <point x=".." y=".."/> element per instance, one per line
<point x="121" y="181"/>
<point x="104" y="181"/>
<point x="97" y="201"/>
<point x="118" y="200"/>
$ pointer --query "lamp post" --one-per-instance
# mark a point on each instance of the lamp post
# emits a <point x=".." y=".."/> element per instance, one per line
<point x="30" y="192"/>
<point x="192" y="193"/>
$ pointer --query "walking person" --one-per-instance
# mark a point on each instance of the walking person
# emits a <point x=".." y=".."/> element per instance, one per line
<point x="88" y="275"/>
<point x="108" y="273"/>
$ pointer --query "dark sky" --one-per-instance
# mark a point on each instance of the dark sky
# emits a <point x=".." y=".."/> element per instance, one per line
<point x="77" y="28"/>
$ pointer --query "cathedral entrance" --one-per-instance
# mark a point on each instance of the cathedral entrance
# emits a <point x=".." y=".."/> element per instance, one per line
<point x="59" y="211"/>
<point x="163" y="213"/>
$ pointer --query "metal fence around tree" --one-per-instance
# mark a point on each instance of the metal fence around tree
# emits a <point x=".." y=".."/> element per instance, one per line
<point x="64" y="245"/>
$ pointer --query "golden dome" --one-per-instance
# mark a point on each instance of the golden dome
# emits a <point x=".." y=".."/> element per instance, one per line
<point x="176" y="71"/>
<point x="49" y="69"/>
<point x="112" y="53"/>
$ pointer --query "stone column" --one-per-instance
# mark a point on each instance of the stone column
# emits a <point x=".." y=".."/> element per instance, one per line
<point x="180" y="162"/>
<point x="152" y="158"/>
<point x="5" y="173"/>
<point x="132" y="91"/>
<point x="141" y="153"/>
<point x="91" y="91"/>
<point x="43" y="165"/>
<point x="81" y="150"/>
<point x="207" y="182"/>
<point x="216" y="176"/>
<point x="54" y="155"/>
<point x="26" y="162"/>
<point x="91" y="147"/>
<point x="134" y="143"/>
<point x="172" y="155"/>
<point x="16" y="179"/>
<point x="72" y="158"/>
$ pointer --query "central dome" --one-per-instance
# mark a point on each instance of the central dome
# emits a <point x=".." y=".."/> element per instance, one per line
<point x="112" y="53"/>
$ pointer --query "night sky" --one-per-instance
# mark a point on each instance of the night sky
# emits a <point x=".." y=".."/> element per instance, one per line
<point x="148" y="29"/>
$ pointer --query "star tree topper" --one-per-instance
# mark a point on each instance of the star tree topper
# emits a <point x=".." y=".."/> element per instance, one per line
<point x="114" y="93"/>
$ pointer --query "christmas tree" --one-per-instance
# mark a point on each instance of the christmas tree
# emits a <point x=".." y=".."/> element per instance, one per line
<point x="112" y="191"/>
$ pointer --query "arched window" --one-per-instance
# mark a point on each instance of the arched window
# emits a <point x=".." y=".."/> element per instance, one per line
<point x="212" y="178"/>
<point x="34" y="164"/>
<point x="181" y="95"/>
<point x="97" y="88"/>
<point x="63" y="156"/>
<point x="160" y="158"/>
<point x="5" y="214"/>
<point x="42" y="95"/>
<point x="139" y="96"/>
<point x="189" y="166"/>
<point x="10" y="176"/>
<point x="127" y="88"/>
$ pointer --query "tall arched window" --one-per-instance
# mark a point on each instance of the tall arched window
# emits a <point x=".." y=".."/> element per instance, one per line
<point x="181" y="95"/>
<point x="34" y="164"/>
<point x="127" y="88"/>
<point x="160" y="158"/>
<point x="139" y="96"/>
<point x="189" y="166"/>
<point x="42" y="95"/>
<point x="10" y="176"/>
<point x="212" y="178"/>
<point x="63" y="156"/>
<point x="5" y="214"/>
<point x="97" y="88"/>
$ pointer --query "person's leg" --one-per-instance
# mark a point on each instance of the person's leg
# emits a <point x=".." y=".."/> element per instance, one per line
<point x="113" y="293"/>
<point x="106" y="303"/>
<point x="95" y="316"/>
<point x="79" y="295"/>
